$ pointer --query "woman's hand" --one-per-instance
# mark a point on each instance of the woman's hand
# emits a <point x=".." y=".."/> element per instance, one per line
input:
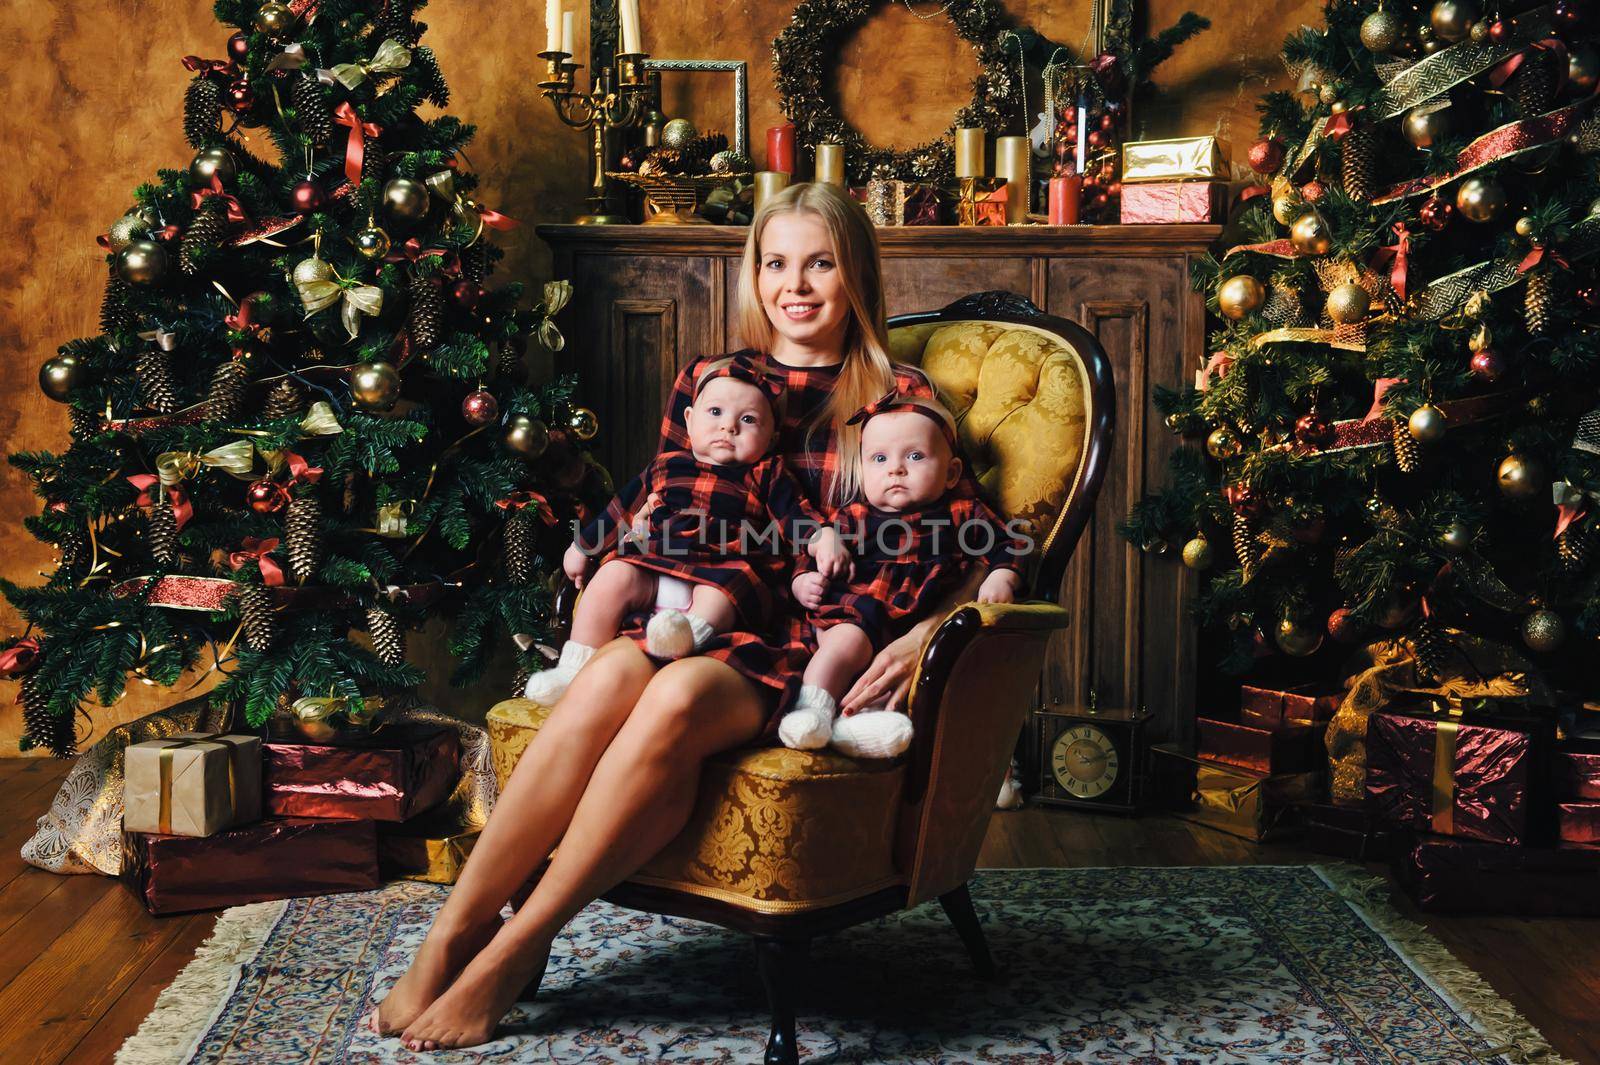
<point x="575" y="564"/>
<point x="1000" y="586"/>
<point x="808" y="588"/>
<point x="889" y="675"/>
<point x="833" y="561"/>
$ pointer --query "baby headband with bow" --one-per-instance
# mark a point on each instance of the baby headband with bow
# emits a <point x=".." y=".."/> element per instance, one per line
<point x="895" y="401"/>
<point x="742" y="368"/>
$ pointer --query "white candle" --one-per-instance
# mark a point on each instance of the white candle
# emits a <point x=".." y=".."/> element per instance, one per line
<point x="630" y="27"/>
<point x="1083" y="133"/>
<point x="552" y="25"/>
<point x="569" y="38"/>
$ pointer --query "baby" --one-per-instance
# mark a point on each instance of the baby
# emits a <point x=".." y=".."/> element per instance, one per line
<point x="915" y="543"/>
<point x="697" y="534"/>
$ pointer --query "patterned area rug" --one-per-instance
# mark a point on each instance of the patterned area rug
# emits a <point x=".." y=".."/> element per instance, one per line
<point x="1179" y="965"/>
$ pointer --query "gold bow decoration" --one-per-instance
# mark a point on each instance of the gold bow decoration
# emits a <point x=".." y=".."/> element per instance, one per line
<point x="360" y="712"/>
<point x="393" y="519"/>
<point x="236" y="459"/>
<point x="473" y="214"/>
<point x="320" y="293"/>
<point x="557" y="294"/>
<point x="391" y="58"/>
<point x="320" y="420"/>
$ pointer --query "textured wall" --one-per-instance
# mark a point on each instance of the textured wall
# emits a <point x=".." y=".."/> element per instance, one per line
<point x="94" y="91"/>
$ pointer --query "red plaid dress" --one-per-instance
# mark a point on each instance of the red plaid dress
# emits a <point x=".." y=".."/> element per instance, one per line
<point x="725" y="526"/>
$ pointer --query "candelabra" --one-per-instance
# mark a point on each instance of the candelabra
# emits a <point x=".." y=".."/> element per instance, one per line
<point x="615" y="100"/>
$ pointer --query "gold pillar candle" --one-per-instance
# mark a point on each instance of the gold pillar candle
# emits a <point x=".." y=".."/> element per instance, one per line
<point x="830" y="164"/>
<point x="1013" y="162"/>
<point x="969" y="151"/>
<point x="768" y="184"/>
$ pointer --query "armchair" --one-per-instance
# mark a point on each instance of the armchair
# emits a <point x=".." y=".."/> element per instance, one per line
<point x="787" y="845"/>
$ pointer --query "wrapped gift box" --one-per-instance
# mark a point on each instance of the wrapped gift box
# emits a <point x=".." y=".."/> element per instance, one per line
<point x="1275" y="751"/>
<point x="1240" y="802"/>
<point x="1177" y="159"/>
<point x="1448" y="874"/>
<point x="886" y="201"/>
<point x="192" y="784"/>
<point x="1578" y="822"/>
<point x="1172" y="202"/>
<point x="982" y="201"/>
<point x="1451" y="778"/>
<point x="1576" y="775"/>
<point x="923" y="206"/>
<point x="268" y="860"/>
<point x="432" y="848"/>
<point x="1270" y="708"/>
<point x="1346" y="832"/>
<point x="390" y="775"/>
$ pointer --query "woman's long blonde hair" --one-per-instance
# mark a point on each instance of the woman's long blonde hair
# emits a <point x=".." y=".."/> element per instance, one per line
<point x="868" y="371"/>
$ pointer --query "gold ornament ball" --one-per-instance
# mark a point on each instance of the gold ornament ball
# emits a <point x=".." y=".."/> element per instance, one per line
<point x="583" y="423"/>
<point x="1240" y="295"/>
<point x="274" y="19"/>
<point x="1480" y="31"/>
<point x="1198" y="553"/>
<point x="1223" y="443"/>
<point x="1543" y="631"/>
<point x="1480" y="199"/>
<point x="1456" y="537"/>
<point x="405" y="200"/>
<point x="1348" y="303"/>
<point x="59" y="376"/>
<point x="129" y="227"/>
<point x="375" y="385"/>
<point x="1310" y="234"/>
<point x="1328" y="93"/>
<point x="525" y="436"/>
<point x="372" y="242"/>
<point x="308" y="271"/>
<point x="1381" y="31"/>
<point x="1521" y="478"/>
<point x="142" y="262"/>
<point x="1452" y="19"/>
<point x="1298" y="639"/>
<point x="1583" y="68"/>
<point x="679" y="134"/>
<point x="212" y="162"/>
<point x="1524" y="226"/>
<point x="1287" y="207"/>
<point x="1481" y="339"/>
<point x="1426" y="424"/>
<point x="1426" y="124"/>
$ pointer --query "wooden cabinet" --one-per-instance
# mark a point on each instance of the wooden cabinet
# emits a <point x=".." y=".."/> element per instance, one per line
<point x="648" y="299"/>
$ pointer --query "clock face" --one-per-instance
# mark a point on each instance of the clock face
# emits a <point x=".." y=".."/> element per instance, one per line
<point x="1084" y="761"/>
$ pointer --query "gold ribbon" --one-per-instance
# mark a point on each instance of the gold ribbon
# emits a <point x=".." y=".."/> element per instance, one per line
<point x="236" y="459"/>
<point x="1444" y="70"/>
<point x="164" y="815"/>
<point x="360" y="712"/>
<point x="392" y="519"/>
<point x="320" y="420"/>
<point x="318" y="294"/>
<point x="1444" y="779"/>
<point x="391" y="58"/>
<point x="556" y="296"/>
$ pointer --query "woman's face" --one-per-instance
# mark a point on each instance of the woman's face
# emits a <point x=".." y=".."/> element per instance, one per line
<point x="800" y="285"/>
<point x="905" y="461"/>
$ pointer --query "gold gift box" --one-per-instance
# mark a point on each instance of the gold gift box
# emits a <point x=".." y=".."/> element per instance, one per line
<point x="191" y="784"/>
<point x="432" y="848"/>
<point x="1178" y="159"/>
<point x="1241" y="802"/>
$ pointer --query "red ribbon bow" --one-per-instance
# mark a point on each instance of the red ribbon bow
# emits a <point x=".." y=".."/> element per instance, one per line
<point x="19" y="657"/>
<point x="355" y="150"/>
<point x="518" y="500"/>
<point x="301" y="471"/>
<point x="210" y="67"/>
<point x="1566" y="514"/>
<point x="1216" y="368"/>
<point x="182" y="509"/>
<point x="893" y="400"/>
<point x="1396" y="256"/>
<point x="256" y="550"/>
<point x="495" y="220"/>
<point x="235" y="208"/>
<point x="243" y="320"/>
<point x="1501" y="72"/>
<point x="743" y="368"/>
<point x="1379" y="387"/>
<point x="412" y="251"/>
<point x="1539" y="254"/>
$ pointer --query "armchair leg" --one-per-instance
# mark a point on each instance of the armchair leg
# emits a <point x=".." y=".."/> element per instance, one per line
<point x="958" y="907"/>
<point x="782" y="962"/>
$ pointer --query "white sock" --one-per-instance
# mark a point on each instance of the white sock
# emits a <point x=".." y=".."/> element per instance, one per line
<point x="702" y="630"/>
<point x="550" y="685"/>
<point x="808" y="726"/>
<point x="872" y="734"/>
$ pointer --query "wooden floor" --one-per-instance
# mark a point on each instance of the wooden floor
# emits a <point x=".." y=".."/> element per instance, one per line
<point x="81" y="963"/>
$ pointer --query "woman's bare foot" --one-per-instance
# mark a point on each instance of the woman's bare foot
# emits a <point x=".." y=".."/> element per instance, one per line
<point x="467" y="1013"/>
<point x="442" y="955"/>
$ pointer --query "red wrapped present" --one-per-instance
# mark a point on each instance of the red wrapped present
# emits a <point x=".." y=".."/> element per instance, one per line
<point x="1578" y="822"/>
<point x="923" y="206"/>
<point x="389" y="775"/>
<point x="1346" y="832"/>
<point x="1295" y="749"/>
<point x="1447" y="874"/>
<point x="1271" y="708"/>
<point x="1576" y="775"/>
<point x="255" y="863"/>
<point x="1449" y="777"/>
<point x="1170" y="202"/>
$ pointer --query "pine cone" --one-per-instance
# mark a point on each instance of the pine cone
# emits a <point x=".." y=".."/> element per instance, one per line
<point x="303" y="531"/>
<point x="1244" y="543"/>
<point x="519" y="681"/>
<point x="520" y="549"/>
<point x="427" y="312"/>
<point x="1432" y="647"/>
<point x="1538" y="300"/>
<point x="395" y="21"/>
<point x="76" y="553"/>
<point x="1407" y="453"/>
<point x="474" y="264"/>
<point x="85" y="424"/>
<point x="1533" y="87"/>
<point x="508" y="364"/>
<point x="260" y="616"/>
<point x="1358" y="163"/>
<point x="55" y="732"/>
<point x="115" y="314"/>
<point x="225" y="399"/>
<point x="162" y="535"/>
<point x="204" y="235"/>
<point x="388" y="639"/>
<point x="430" y="77"/>
<point x="286" y="398"/>
<point x="156" y="385"/>
<point x="1575" y="546"/>
<point x="202" y="111"/>
<point x="310" y="105"/>
<point x="698" y="155"/>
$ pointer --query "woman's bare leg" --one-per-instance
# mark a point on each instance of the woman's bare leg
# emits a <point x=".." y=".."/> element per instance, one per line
<point x="528" y="820"/>
<point x="639" y="797"/>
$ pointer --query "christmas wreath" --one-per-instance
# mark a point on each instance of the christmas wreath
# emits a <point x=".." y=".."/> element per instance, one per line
<point x="804" y="52"/>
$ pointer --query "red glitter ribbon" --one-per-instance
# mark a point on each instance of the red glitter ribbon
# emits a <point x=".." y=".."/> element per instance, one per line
<point x="518" y="500"/>
<point x="1493" y="146"/>
<point x="19" y="657"/>
<point x="355" y="151"/>
<point x="255" y="550"/>
<point x="1283" y="249"/>
<point x="182" y="509"/>
<point x="235" y="208"/>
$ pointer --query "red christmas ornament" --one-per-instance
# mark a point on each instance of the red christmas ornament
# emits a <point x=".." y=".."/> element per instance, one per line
<point x="306" y="196"/>
<point x="1266" y="156"/>
<point x="1497" y="31"/>
<point x="1312" y="191"/>
<point x="1108" y="123"/>
<point x="1096" y="138"/>
<point x="1487" y="365"/>
<point x="266" y="497"/>
<point x="465" y="294"/>
<point x="1436" y="213"/>
<point x="1243" y="499"/>
<point x="1343" y="626"/>
<point x="1114" y="189"/>
<point x="1314" y="429"/>
<point x="1251" y="193"/>
<point x="239" y="47"/>
<point x="479" y="407"/>
<point x="240" y="96"/>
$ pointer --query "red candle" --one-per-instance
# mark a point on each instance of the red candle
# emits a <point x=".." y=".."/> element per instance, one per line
<point x="780" y="148"/>
<point x="1065" y="194"/>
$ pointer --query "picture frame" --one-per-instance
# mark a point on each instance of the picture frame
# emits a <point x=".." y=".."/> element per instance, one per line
<point x="740" y="140"/>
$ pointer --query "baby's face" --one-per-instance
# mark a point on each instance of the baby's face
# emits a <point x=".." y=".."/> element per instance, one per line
<point x="731" y="421"/>
<point x="905" y="461"/>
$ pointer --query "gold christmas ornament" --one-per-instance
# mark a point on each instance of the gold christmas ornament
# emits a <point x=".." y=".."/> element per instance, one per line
<point x="1239" y="296"/>
<point x="310" y="271"/>
<point x="375" y="385"/>
<point x="1521" y="478"/>
<point x="1524" y="226"/>
<point x="1381" y="31"/>
<point x="1426" y="124"/>
<point x="1310" y="234"/>
<point x="1287" y="207"/>
<point x="678" y="133"/>
<point x="1480" y="199"/>
<point x="583" y="423"/>
<point x="274" y="19"/>
<point x="525" y="436"/>
<point x="212" y="162"/>
<point x="1452" y="19"/>
<point x="142" y="262"/>
<point x="1223" y="443"/>
<point x="130" y="227"/>
<point x="1426" y="424"/>
<point x="59" y="376"/>
<point x="1348" y="303"/>
<point x="1543" y="631"/>
<point x="1328" y="93"/>
<point x="405" y="200"/>
<point x="372" y="242"/>
<point x="1480" y="31"/>
<point x="1198" y="553"/>
<point x="1456" y="537"/>
<point x="1297" y="638"/>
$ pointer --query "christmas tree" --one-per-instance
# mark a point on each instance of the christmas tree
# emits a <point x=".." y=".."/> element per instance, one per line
<point x="1398" y="408"/>
<point x="306" y="415"/>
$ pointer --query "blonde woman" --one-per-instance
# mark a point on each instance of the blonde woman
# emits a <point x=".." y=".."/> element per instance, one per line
<point x="611" y="776"/>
